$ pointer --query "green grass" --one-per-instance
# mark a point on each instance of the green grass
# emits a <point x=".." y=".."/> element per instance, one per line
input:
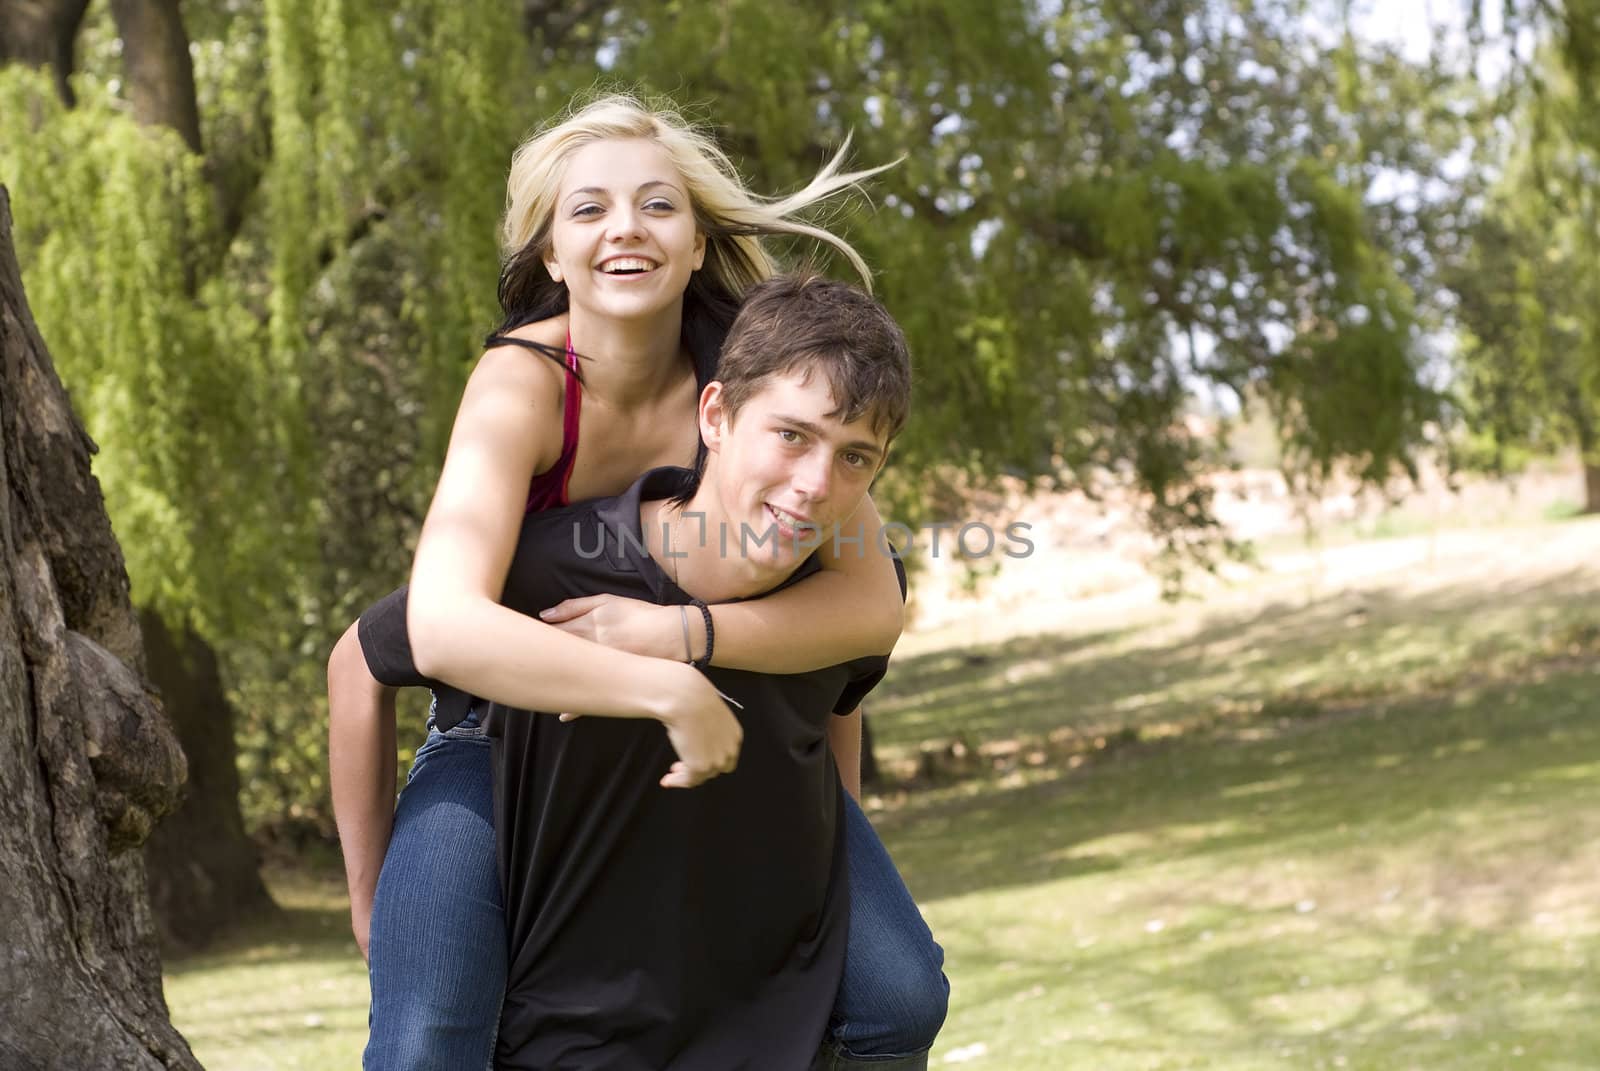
<point x="1360" y="831"/>
<point x="1196" y="667"/>
<point x="286" y="993"/>
<point x="1564" y="510"/>
<point x="1411" y="888"/>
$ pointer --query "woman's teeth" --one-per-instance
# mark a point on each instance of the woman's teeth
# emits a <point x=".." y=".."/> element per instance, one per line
<point x="626" y="266"/>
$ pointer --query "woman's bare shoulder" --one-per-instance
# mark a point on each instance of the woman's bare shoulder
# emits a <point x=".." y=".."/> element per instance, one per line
<point x="550" y="332"/>
<point x="531" y="374"/>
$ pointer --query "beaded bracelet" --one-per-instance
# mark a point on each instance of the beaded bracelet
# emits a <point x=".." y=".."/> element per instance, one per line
<point x="711" y="635"/>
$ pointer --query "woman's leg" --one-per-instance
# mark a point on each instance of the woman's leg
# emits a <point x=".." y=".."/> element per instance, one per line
<point x="438" y="951"/>
<point x="893" y="996"/>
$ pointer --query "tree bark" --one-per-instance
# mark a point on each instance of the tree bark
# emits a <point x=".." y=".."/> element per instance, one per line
<point x="156" y="65"/>
<point x="87" y="762"/>
<point x="204" y="870"/>
<point x="42" y="33"/>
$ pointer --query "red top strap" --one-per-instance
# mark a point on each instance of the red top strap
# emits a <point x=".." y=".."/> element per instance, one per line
<point x="548" y="489"/>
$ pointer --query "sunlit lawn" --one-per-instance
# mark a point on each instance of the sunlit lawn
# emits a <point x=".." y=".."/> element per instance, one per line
<point x="291" y="993"/>
<point x="1360" y="832"/>
<point x="1417" y="889"/>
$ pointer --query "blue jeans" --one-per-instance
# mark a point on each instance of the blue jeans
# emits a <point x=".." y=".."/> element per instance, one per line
<point x="893" y="995"/>
<point x="437" y="951"/>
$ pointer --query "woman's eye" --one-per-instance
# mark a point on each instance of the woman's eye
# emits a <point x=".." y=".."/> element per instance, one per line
<point x="659" y="206"/>
<point x="586" y="210"/>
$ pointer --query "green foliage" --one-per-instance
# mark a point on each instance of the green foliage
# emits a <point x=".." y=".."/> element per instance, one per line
<point x="110" y="280"/>
<point x="1528" y="294"/>
<point x="1100" y="211"/>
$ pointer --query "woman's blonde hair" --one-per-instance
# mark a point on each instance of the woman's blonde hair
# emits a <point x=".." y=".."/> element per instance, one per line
<point x="733" y="219"/>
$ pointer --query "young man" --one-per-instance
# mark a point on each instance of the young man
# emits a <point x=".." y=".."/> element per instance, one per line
<point x="701" y="929"/>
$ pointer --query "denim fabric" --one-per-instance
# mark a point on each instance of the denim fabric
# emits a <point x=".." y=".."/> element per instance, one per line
<point x="438" y="951"/>
<point x="894" y="994"/>
<point x="438" y="947"/>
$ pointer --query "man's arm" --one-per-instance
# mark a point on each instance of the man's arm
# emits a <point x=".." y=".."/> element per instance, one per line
<point x="361" y="773"/>
<point x="854" y="606"/>
<point x="844" y="738"/>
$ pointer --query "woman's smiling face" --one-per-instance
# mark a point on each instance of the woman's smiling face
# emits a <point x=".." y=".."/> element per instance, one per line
<point x="624" y="238"/>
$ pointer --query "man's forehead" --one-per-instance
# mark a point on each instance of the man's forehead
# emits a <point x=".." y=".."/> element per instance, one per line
<point x="805" y="398"/>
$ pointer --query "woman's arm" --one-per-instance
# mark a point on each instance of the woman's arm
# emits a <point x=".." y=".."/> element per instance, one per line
<point x="361" y="773"/>
<point x="853" y="608"/>
<point x="459" y="632"/>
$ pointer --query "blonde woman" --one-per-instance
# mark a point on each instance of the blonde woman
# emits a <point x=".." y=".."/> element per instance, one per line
<point x="629" y="242"/>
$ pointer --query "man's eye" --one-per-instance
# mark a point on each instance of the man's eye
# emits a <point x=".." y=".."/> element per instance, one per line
<point x="854" y="460"/>
<point x="789" y="435"/>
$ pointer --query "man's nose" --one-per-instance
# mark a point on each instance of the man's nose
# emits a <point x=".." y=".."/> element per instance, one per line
<point x="814" y="476"/>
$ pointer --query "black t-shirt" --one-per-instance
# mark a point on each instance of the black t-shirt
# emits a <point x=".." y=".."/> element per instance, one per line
<point x="655" y="928"/>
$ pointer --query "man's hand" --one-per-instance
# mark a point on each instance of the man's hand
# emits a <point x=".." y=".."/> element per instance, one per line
<point x="361" y="926"/>
<point x="632" y="625"/>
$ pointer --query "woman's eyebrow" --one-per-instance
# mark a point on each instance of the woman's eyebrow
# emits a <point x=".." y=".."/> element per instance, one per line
<point x="601" y="191"/>
<point x="658" y="182"/>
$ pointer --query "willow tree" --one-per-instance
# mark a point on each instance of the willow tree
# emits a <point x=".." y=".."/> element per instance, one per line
<point x="253" y="272"/>
<point x="1529" y="295"/>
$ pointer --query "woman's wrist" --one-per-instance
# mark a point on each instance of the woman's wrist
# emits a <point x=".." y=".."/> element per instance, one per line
<point x="693" y="635"/>
<point x="667" y="690"/>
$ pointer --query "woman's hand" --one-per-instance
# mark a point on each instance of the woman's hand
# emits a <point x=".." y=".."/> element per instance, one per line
<point x="632" y="625"/>
<point x="703" y="731"/>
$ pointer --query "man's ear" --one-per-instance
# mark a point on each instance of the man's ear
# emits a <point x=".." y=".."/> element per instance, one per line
<point x="713" y="416"/>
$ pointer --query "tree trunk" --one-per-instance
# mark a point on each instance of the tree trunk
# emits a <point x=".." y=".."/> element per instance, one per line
<point x="41" y="33"/>
<point x="156" y="64"/>
<point x="87" y="762"/>
<point x="204" y="871"/>
<point x="1591" y="487"/>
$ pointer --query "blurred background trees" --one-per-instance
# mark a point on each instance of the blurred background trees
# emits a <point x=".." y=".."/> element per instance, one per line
<point x="259" y="238"/>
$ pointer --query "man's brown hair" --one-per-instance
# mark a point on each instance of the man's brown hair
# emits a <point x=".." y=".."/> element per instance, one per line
<point x="804" y="323"/>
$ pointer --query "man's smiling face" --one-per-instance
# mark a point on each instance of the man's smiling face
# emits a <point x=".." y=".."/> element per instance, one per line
<point x="784" y="470"/>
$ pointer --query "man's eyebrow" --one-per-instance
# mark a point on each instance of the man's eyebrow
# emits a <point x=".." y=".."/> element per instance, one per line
<point x="860" y="446"/>
<point x="601" y="190"/>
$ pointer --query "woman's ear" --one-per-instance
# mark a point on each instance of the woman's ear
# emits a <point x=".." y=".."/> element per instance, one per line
<point x="553" y="268"/>
<point x="699" y="249"/>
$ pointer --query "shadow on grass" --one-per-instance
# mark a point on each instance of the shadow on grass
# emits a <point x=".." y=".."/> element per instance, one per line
<point x="1404" y="888"/>
<point x="1287" y="784"/>
<point x="312" y="925"/>
<point x="1071" y="692"/>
